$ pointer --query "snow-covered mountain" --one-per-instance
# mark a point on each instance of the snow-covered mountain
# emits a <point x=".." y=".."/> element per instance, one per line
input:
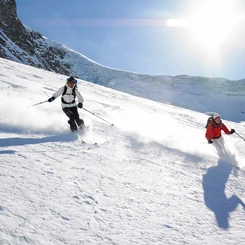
<point x="149" y="179"/>
<point x="21" y="44"/>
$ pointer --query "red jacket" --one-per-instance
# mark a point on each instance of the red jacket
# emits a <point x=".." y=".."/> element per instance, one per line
<point x="214" y="130"/>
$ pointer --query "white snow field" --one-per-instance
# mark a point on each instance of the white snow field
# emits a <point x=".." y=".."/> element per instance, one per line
<point x="149" y="179"/>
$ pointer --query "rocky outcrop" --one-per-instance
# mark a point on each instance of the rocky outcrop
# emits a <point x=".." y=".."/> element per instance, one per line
<point x="21" y="44"/>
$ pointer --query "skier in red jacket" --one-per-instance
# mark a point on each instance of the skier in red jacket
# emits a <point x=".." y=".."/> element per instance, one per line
<point x="213" y="133"/>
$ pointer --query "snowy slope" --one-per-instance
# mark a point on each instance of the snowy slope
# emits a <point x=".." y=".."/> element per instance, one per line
<point x="150" y="179"/>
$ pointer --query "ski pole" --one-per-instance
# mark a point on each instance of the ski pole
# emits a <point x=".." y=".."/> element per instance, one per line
<point x="240" y="136"/>
<point x="98" y="116"/>
<point x="46" y="94"/>
<point x="40" y="103"/>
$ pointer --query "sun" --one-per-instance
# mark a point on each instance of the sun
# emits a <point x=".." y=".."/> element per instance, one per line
<point x="212" y="22"/>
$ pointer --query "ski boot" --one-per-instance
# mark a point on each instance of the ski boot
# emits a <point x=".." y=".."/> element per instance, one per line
<point x="73" y="125"/>
<point x="80" y="123"/>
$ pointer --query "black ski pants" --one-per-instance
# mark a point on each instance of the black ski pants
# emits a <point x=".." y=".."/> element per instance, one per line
<point x="72" y="113"/>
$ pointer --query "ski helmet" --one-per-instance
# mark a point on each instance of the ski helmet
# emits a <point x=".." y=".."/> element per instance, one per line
<point x="71" y="79"/>
<point x="216" y="115"/>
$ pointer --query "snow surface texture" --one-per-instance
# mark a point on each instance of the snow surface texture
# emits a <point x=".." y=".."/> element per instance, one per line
<point x="150" y="179"/>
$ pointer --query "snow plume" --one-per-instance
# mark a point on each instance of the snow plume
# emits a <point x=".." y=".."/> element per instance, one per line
<point x="19" y="114"/>
<point x="169" y="129"/>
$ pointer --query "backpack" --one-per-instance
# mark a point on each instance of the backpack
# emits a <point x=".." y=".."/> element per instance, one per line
<point x="73" y="93"/>
<point x="208" y="121"/>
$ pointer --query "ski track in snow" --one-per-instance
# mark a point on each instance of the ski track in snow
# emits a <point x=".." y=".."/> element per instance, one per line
<point x="150" y="179"/>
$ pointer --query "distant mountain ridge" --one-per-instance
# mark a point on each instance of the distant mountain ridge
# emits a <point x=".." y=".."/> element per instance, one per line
<point x="23" y="45"/>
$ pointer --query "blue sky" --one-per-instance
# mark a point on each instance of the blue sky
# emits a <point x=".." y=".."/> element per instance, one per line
<point x="171" y="37"/>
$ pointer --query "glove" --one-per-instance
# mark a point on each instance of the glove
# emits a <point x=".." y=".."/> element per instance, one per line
<point x="80" y="105"/>
<point x="233" y="131"/>
<point x="51" y="99"/>
<point x="210" y="142"/>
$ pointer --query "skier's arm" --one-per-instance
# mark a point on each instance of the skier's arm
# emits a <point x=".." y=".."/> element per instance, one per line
<point x="58" y="93"/>
<point x="208" y="132"/>
<point x="225" y="129"/>
<point x="79" y="96"/>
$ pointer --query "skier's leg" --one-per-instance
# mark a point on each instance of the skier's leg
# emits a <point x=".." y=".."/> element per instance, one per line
<point x="228" y="155"/>
<point x="221" y="142"/>
<point x="69" y="113"/>
<point x="79" y="121"/>
<point x="218" y="148"/>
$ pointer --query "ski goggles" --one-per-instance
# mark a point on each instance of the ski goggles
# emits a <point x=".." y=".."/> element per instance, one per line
<point x="72" y="82"/>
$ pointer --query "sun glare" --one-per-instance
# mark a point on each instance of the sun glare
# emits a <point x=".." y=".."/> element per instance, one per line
<point x="212" y="22"/>
<point x="177" y="22"/>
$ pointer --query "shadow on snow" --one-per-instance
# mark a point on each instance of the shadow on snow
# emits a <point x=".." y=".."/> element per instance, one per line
<point x="17" y="141"/>
<point x="214" y="182"/>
